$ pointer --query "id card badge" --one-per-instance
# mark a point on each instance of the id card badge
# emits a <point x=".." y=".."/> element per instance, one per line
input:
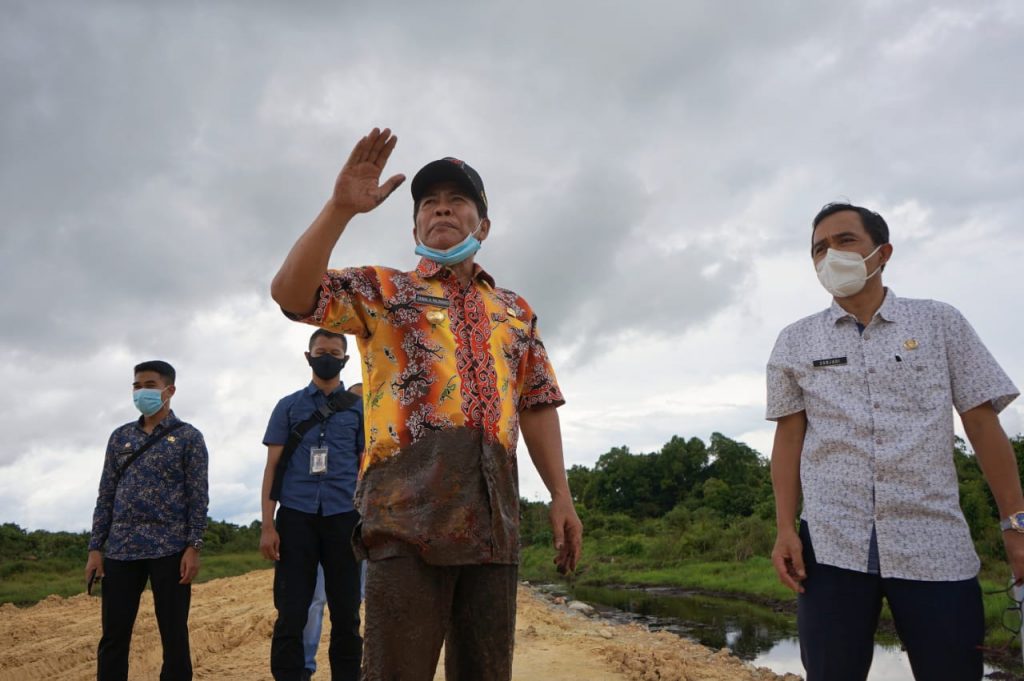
<point x="317" y="460"/>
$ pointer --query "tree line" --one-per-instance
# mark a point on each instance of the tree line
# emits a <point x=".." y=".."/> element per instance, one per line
<point x="686" y="485"/>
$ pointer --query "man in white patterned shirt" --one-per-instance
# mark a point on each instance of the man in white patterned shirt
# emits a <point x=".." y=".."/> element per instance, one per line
<point x="863" y="394"/>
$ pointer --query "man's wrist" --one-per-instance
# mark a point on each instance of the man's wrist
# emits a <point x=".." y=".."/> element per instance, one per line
<point x="338" y="215"/>
<point x="561" y="496"/>
<point x="1014" y="522"/>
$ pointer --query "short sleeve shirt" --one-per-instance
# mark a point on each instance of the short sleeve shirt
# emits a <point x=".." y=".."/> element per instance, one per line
<point x="333" y="491"/>
<point x="446" y="371"/>
<point x="878" y="449"/>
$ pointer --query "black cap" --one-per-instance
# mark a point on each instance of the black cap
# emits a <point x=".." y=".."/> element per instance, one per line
<point x="450" y="169"/>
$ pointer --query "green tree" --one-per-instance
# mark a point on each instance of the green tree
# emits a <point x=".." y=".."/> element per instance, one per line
<point x="579" y="478"/>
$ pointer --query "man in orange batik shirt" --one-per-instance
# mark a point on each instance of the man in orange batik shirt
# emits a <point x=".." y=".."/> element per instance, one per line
<point x="453" y="368"/>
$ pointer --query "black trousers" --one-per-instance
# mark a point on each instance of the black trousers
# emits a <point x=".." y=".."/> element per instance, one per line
<point x="412" y="608"/>
<point x="123" y="583"/>
<point x="941" y="624"/>
<point x="306" y="540"/>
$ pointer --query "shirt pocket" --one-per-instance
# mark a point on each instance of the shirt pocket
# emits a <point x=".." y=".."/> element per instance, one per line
<point x="920" y="381"/>
<point x="830" y="390"/>
<point x="513" y="340"/>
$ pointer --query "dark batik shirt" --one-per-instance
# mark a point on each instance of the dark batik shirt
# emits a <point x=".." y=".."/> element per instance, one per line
<point x="159" y="506"/>
<point x="446" y="371"/>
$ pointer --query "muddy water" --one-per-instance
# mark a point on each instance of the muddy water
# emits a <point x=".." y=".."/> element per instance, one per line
<point x="753" y="632"/>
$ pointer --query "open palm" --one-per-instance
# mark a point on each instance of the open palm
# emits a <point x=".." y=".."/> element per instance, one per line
<point x="358" y="187"/>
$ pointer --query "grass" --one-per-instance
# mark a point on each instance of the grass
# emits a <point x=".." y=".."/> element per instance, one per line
<point x="26" y="582"/>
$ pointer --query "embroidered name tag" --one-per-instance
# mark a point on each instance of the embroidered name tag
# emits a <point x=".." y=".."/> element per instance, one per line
<point x="436" y="301"/>
<point x="830" y="362"/>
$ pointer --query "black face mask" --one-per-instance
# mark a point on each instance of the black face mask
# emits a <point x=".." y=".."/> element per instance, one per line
<point x="326" y="367"/>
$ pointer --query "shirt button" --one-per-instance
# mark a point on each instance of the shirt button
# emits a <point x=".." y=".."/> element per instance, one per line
<point x="866" y="336"/>
<point x="878" y="441"/>
<point x="871" y="370"/>
<point x="877" y="405"/>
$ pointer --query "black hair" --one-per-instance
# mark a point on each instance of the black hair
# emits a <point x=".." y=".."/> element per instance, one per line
<point x="873" y="223"/>
<point x="327" y="334"/>
<point x="159" y="366"/>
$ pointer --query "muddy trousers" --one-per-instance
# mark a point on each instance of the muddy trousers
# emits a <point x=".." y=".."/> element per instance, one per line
<point x="941" y="624"/>
<point x="412" y="608"/>
<point x="307" y="540"/>
<point x="123" y="583"/>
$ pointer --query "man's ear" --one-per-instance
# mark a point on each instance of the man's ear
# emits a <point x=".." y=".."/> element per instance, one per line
<point x="484" y="229"/>
<point x="170" y="391"/>
<point x="886" y="252"/>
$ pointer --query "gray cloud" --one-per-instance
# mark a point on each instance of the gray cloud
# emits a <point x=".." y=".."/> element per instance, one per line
<point x="643" y="163"/>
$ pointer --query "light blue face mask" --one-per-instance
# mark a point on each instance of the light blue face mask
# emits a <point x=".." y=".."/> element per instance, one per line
<point x="148" y="400"/>
<point x="453" y="255"/>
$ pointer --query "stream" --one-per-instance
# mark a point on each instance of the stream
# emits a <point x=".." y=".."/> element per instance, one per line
<point x="753" y="632"/>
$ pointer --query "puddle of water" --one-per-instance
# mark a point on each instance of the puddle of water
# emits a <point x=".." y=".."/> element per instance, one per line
<point x="888" y="664"/>
<point x="754" y="633"/>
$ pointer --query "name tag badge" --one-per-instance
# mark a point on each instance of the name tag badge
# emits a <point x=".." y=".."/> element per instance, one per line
<point x="830" y="362"/>
<point x="317" y="460"/>
<point x="436" y="301"/>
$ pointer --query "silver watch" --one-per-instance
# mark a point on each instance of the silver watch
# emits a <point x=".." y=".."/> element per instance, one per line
<point x="1015" y="522"/>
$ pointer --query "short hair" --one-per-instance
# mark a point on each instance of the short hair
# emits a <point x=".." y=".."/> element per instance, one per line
<point x="327" y="334"/>
<point x="873" y="223"/>
<point x="159" y="366"/>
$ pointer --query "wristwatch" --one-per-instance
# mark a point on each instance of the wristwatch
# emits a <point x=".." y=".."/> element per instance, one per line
<point x="1015" y="522"/>
<point x="198" y="543"/>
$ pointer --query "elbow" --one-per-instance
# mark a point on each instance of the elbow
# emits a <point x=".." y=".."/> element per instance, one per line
<point x="277" y="290"/>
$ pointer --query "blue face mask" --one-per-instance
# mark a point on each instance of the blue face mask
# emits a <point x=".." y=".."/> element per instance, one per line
<point x="453" y="255"/>
<point x="148" y="400"/>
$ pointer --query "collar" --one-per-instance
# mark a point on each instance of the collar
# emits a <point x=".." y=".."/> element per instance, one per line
<point x="429" y="269"/>
<point x="312" y="389"/>
<point x="888" y="311"/>
<point x="166" y="422"/>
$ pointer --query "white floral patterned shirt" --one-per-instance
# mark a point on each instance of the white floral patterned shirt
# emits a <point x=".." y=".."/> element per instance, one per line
<point x="879" y="443"/>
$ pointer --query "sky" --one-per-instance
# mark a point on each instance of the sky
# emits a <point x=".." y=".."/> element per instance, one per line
<point x="652" y="170"/>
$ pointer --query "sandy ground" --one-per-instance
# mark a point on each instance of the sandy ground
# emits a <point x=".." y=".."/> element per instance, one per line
<point x="232" y="619"/>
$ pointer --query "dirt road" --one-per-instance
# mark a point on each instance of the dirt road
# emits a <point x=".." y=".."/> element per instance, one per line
<point x="232" y="619"/>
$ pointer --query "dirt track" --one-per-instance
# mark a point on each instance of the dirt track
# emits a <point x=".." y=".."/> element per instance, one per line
<point x="232" y="619"/>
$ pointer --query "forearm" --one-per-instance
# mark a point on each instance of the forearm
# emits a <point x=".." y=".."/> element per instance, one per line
<point x="785" y="468"/>
<point x="295" y="285"/>
<point x="197" y="493"/>
<point x="542" y="433"/>
<point x="102" y="515"/>
<point x="267" y="505"/>
<point x="995" y="457"/>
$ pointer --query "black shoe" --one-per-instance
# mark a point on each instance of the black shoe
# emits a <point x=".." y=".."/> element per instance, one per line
<point x="307" y="675"/>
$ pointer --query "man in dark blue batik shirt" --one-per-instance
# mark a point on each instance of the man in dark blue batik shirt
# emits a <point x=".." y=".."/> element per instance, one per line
<point x="316" y="517"/>
<point x="148" y="524"/>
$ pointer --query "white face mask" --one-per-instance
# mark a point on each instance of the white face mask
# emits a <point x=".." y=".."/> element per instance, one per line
<point x="843" y="273"/>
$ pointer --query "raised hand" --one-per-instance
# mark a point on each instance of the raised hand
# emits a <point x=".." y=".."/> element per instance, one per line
<point x="358" y="188"/>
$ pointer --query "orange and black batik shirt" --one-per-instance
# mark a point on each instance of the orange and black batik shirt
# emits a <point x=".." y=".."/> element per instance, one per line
<point x="446" y="372"/>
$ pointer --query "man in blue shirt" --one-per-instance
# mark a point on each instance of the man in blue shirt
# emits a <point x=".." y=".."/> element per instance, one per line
<point x="316" y="518"/>
<point x="148" y="525"/>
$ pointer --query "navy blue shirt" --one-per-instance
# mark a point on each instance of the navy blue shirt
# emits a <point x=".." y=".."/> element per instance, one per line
<point x="331" y="492"/>
<point x="158" y="507"/>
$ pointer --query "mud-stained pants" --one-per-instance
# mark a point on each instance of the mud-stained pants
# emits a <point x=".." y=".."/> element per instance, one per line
<point x="412" y="608"/>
